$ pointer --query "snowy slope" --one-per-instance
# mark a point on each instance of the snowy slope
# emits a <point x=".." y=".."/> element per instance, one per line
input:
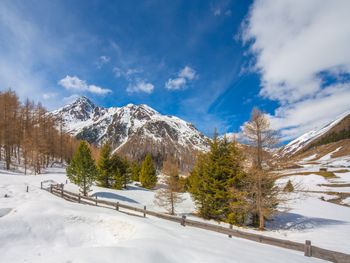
<point x="40" y="227"/>
<point x="305" y="139"/>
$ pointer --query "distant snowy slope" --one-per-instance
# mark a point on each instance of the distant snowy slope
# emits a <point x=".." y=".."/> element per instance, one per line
<point x="134" y="130"/>
<point x="306" y="139"/>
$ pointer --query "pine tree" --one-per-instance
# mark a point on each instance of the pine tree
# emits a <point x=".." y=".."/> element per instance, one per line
<point x="170" y="196"/>
<point x="135" y="169"/>
<point x="148" y="176"/>
<point x="212" y="178"/>
<point x="104" y="163"/>
<point x="82" y="170"/>
<point x="121" y="171"/>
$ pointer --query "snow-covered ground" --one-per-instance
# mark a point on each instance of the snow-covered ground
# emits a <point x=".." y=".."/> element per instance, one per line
<point x="40" y="227"/>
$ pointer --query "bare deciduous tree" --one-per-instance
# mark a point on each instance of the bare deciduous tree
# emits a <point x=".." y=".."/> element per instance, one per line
<point x="260" y="190"/>
<point x="171" y="195"/>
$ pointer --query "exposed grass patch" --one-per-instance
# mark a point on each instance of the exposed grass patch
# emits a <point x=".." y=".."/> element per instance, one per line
<point x="341" y="171"/>
<point x="325" y="174"/>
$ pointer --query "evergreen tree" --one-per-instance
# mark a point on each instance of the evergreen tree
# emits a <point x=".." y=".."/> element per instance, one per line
<point x="148" y="176"/>
<point x="212" y="178"/>
<point x="105" y="172"/>
<point x="82" y="170"/>
<point x="121" y="171"/>
<point x="134" y="170"/>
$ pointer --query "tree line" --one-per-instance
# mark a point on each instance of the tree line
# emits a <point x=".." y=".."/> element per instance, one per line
<point x="31" y="137"/>
<point x="227" y="183"/>
<point x="109" y="170"/>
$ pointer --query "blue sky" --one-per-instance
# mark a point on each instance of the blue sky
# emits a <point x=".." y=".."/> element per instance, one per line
<point x="208" y="62"/>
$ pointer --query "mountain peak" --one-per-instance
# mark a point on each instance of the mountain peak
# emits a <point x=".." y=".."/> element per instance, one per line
<point x="82" y="100"/>
<point x="134" y="131"/>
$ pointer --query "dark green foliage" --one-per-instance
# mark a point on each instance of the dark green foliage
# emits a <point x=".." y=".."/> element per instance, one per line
<point x="289" y="187"/>
<point x="121" y="171"/>
<point x="135" y="170"/>
<point x="82" y="170"/>
<point x="148" y="176"/>
<point x="332" y="137"/>
<point x="105" y="172"/>
<point x="213" y="177"/>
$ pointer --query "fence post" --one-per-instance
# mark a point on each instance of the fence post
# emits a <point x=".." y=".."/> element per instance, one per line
<point x="62" y="190"/>
<point x="66" y="181"/>
<point x="183" y="220"/>
<point x="117" y="206"/>
<point x="96" y="199"/>
<point x="41" y="185"/>
<point x="230" y="236"/>
<point x="307" y="249"/>
<point x="51" y="188"/>
<point x="27" y="188"/>
<point x="144" y="211"/>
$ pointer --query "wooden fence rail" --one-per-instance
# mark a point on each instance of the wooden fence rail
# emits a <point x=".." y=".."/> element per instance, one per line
<point x="308" y="249"/>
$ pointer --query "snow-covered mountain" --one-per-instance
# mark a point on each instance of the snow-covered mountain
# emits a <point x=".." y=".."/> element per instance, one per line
<point x="305" y="141"/>
<point x="134" y="130"/>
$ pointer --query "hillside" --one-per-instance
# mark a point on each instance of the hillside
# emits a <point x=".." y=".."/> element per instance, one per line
<point x="134" y="131"/>
<point x="335" y="131"/>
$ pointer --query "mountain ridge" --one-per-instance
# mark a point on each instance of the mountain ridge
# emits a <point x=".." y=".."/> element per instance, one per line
<point x="134" y="130"/>
<point x="314" y="137"/>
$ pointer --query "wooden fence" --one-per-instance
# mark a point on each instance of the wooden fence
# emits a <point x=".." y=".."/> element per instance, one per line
<point x="308" y="249"/>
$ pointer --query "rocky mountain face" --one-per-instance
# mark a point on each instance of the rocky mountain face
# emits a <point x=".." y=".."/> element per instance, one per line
<point x="333" y="132"/>
<point x="134" y="131"/>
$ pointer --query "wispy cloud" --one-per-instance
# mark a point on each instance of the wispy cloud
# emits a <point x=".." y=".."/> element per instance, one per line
<point x="75" y="84"/>
<point x="141" y="86"/>
<point x="184" y="76"/>
<point x="295" y="43"/>
<point x="128" y="73"/>
<point x="102" y="60"/>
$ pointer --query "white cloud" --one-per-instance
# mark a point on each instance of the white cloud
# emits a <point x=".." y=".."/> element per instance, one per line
<point x="294" y="42"/>
<point x="185" y="75"/>
<point x="102" y="60"/>
<point x="76" y="84"/>
<point x="141" y="86"/>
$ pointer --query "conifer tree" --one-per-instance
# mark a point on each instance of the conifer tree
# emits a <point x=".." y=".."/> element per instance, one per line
<point x="82" y="170"/>
<point x="121" y="171"/>
<point x="212" y="178"/>
<point x="134" y="170"/>
<point x="148" y="176"/>
<point x="104" y="163"/>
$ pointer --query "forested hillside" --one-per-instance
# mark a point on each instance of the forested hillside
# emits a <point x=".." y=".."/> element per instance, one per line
<point x="29" y="136"/>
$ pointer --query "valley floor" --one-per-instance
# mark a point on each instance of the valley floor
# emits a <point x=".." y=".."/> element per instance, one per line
<point x="40" y="227"/>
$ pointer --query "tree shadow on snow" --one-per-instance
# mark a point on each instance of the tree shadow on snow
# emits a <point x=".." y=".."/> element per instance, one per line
<point x="114" y="196"/>
<point x="292" y="221"/>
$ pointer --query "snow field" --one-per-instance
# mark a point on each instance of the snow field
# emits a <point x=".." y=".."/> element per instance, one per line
<point x="44" y="228"/>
